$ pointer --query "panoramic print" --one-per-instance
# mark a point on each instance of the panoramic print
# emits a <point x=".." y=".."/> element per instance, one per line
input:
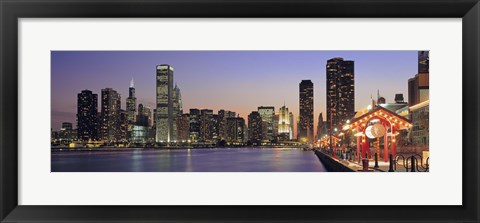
<point x="240" y="111"/>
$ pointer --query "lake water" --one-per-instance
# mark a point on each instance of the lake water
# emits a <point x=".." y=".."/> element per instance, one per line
<point x="187" y="160"/>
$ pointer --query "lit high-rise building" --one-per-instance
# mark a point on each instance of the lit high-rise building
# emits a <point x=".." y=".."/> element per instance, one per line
<point x="236" y="130"/>
<point x="124" y="127"/>
<point x="275" y="127"/>
<point x="131" y="103"/>
<point x="222" y="122"/>
<point x="183" y="128"/>
<point x="255" y="127"/>
<point x="194" y="125"/>
<point x="284" y="124"/>
<point x="267" y="113"/>
<point x="206" y="125"/>
<point x="87" y="116"/>
<point x="215" y="124"/>
<point x="110" y="128"/>
<point x="131" y="108"/>
<point x="177" y="101"/>
<point x="305" y="127"/>
<point x="165" y="110"/>
<point x="340" y="90"/>
<point x="291" y="125"/>
<point x="177" y="109"/>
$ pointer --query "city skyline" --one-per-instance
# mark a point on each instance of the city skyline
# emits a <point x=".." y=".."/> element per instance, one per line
<point x="263" y="82"/>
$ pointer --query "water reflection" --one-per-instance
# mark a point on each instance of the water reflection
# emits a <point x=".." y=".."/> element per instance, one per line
<point x="188" y="160"/>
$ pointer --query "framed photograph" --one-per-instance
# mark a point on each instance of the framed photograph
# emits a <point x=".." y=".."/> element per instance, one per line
<point x="227" y="111"/>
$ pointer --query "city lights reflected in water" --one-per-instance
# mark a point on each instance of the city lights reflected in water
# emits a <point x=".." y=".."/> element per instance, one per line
<point x="188" y="160"/>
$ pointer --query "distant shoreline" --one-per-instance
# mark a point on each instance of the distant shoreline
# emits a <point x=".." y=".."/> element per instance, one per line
<point x="171" y="148"/>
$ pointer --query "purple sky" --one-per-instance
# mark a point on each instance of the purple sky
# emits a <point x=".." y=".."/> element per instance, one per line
<point x="232" y="80"/>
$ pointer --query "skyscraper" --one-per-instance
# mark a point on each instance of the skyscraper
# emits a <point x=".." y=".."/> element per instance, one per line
<point x="267" y="113"/>
<point x="194" y="121"/>
<point x="255" y="127"/>
<point x="291" y="125"/>
<point x="110" y="117"/>
<point x="177" y="101"/>
<point x="236" y="130"/>
<point x="165" y="111"/>
<point x="87" y="116"/>
<point x="206" y="125"/>
<point x="177" y="110"/>
<point x="147" y="110"/>
<point x="305" y="127"/>
<point x="321" y="126"/>
<point x="413" y="94"/>
<point x="124" y="127"/>
<point x="284" y="124"/>
<point x="131" y="103"/>
<point x="141" y="129"/>
<point x="142" y="116"/>
<point x="183" y="128"/>
<point x="275" y="127"/>
<point x="131" y="108"/>
<point x="423" y="62"/>
<point x="222" y="122"/>
<point x="418" y="86"/>
<point x="340" y="91"/>
<point x="215" y="124"/>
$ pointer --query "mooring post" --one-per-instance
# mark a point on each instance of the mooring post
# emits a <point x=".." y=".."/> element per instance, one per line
<point x="390" y="168"/>
<point x="413" y="164"/>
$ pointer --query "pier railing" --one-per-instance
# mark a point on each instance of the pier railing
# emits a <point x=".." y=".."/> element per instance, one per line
<point x="400" y="163"/>
<point x="412" y="163"/>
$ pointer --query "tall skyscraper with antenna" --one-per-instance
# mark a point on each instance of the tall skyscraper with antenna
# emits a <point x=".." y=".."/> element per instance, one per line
<point x="131" y="108"/>
<point x="131" y="102"/>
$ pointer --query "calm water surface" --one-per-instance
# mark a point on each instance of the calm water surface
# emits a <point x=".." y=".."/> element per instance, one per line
<point x="188" y="160"/>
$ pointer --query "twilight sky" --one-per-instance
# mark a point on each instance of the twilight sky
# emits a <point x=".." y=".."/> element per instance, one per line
<point x="238" y="81"/>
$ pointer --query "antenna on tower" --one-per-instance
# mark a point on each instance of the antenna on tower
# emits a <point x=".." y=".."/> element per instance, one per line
<point x="132" y="83"/>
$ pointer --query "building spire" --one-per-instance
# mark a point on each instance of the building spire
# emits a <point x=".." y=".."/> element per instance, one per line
<point x="132" y="83"/>
<point x="372" y="102"/>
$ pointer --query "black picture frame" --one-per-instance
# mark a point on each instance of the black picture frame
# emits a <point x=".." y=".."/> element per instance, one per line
<point x="11" y="11"/>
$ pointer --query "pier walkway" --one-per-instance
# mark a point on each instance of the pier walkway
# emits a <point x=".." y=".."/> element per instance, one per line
<point x="355" y="166"/>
